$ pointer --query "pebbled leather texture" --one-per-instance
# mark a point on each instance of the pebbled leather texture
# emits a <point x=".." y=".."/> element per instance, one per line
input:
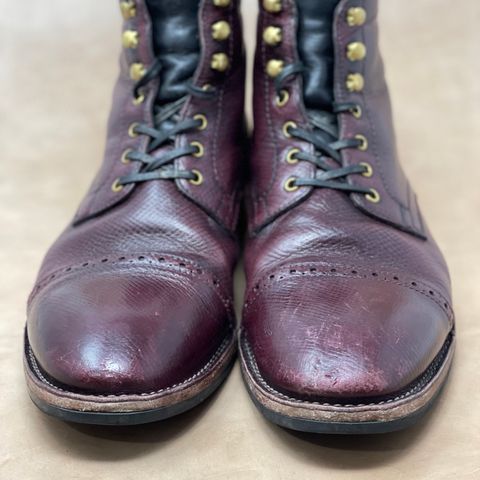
<point x="136" y="294"/>
<point x="343" y="303"/>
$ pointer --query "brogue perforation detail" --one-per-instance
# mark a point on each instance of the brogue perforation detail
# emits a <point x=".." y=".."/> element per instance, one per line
<point x="418" y="286"/>
<point x="169" y="262"/>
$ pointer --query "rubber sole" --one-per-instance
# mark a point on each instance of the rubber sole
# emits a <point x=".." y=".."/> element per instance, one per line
<point x="131" y="409"/>
<point x="391" y="414"/>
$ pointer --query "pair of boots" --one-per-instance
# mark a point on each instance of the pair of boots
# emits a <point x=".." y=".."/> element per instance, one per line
<point x="347" y="323"/>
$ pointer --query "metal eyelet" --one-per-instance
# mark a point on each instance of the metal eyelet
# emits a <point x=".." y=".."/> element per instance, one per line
<point x="200" y="149"/>
<point x="124" y="158"/>
<point x="290" y="186"/>
<point x="373" y="196"/>
<point x="139" y="100"/>
<point x="117" y="186"/>
<point x="357" y="111"/>
<point x="131" y="130"/>
<point x="363" y="147"/>
<point x="287" y="126"/>
<point x="368" y="169"/>
<point x="291" y="159"/>
<point x="202" y="118"/>
<point x="282" y="99"/>
<point x="198" y="180"/>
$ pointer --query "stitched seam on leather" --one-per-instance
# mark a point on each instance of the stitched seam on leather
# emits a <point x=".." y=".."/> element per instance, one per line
<point x="143" y="22"/>
<point x="426" y="377"/>
<point x="225" y="194"/>
<point x="224" y="219"/>
<point x="263" y="196"/>
<point x="215" y="144"/>
<point x="343" y="70"/>
<point x="231" y="198"/>
<point x="313" y="270"/>
<point x="207" y="366"/>
<point x="63" y="273"/>
<point x="219" y="116"/>
<point x="268" y="116"/>
<point x="220" y="103"/>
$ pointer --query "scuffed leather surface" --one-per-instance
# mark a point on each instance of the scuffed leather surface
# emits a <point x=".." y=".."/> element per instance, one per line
<point x="323" y="334"/>
<point x="136" y="294"/>
<point x="50" y="163"/>
<point x="328" y="286"/>
<point x="129" y="327"/>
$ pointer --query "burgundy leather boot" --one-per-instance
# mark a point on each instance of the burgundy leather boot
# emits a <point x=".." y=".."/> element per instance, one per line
<point x="348" y="325"/>
<point x="131" y="318"/>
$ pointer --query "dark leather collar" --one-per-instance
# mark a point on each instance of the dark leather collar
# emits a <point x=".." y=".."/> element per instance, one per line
<point x="176" y="43"/>
<point x="316" y="51"/>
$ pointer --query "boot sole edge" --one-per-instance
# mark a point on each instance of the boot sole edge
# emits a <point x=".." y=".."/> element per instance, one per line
<point x="128" y="409"/>
<point x="333" y="418"/>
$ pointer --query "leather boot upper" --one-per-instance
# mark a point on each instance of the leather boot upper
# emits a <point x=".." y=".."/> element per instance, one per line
<point x="136" y="294"/>
<point x="348" y="295"/>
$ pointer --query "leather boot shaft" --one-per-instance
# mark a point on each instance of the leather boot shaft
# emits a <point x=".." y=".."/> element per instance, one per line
<point x="219" y="65"/>
<point x="348" y="69"/>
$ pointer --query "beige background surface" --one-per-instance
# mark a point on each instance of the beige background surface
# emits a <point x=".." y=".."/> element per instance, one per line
<point x="57" y="66"/>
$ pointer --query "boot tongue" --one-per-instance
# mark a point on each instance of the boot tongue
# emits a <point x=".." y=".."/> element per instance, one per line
<point x="176" y="43"/>
<point x="316" y="51"/>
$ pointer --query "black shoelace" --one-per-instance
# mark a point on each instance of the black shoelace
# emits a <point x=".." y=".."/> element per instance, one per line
<point x="166" y="127"/>
<point x="320" y="136"/>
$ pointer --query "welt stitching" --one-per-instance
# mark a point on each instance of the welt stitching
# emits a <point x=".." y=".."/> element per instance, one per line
<point x="206" y="367"/>
<point x="422" y="382"/>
